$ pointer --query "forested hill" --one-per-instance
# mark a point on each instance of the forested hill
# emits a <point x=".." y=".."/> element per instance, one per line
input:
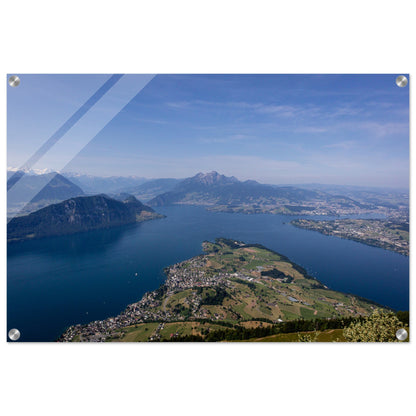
<point x="77" y="215"/>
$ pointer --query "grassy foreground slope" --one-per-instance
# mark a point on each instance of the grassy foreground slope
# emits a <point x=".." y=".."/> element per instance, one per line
<point x="233" y="285"/>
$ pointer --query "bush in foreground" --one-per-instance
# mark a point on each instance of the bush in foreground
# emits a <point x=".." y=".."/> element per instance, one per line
<point x="378" y="327"/>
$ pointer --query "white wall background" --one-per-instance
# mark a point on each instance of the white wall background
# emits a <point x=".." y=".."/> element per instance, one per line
<point x="216" y="36"/>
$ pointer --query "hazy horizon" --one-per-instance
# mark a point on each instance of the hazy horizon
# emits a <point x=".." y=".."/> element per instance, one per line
<point x="309" y="184"/>
<point x="349" y="130"/>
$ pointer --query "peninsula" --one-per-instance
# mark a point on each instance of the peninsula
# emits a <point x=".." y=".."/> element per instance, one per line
<point x="233" y="286"/>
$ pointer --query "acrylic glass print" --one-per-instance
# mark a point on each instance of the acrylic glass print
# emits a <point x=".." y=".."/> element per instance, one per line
<point x="169" y="208"/>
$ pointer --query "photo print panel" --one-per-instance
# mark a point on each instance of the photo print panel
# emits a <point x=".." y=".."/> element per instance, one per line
<point x="208" y="207"/>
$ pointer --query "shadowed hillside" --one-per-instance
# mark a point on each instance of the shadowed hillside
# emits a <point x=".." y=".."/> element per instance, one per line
<point x="79" y="214"/>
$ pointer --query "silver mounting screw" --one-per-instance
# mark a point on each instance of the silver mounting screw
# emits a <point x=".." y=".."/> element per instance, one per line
<point x="401" y="81"/>
<point x="14" y="81"/>
<point x="14" y="334"/>
<point x="401" y="334"/>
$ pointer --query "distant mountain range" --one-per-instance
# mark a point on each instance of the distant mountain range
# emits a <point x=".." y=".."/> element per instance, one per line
<point x="224" y="193"/>
<point x="152" y="188"/>
<point x="215" y="191"/>
<point x="96" y="184"/>
<point x="77" y="215"/>
<point x="28" y="192"/>
<point x="51" y="186"/>
<point x="376" y="196"/>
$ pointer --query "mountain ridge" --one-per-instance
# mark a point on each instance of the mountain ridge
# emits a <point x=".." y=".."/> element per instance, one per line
<point x="27" y="193"/>
<point x="79" y="214"/>
<point x="103" y="184"/>
<point x="222" y="193"/>
<point x="52" y="186"/>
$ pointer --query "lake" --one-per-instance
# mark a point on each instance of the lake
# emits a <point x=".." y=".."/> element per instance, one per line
<point x="60" y="281"/>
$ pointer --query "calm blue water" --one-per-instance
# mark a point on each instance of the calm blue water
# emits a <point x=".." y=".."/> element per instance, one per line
<point x="60" y="281"/>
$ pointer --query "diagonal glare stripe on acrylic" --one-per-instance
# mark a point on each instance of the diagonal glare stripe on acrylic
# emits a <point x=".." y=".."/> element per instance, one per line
<point x="72" y="143"/>
<point x="64" y="128"/>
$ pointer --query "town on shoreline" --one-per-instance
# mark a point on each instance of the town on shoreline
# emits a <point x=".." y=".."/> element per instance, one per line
<point x="387" y="234"/>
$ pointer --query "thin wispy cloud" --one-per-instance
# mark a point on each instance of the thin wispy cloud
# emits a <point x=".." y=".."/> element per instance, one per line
<point x="227" y="139"/>
<point x="179" y="104"/>
<point x="345" y="145"/>
<point x="151" y="121"/>
<point x="345" y="111"/>
<point x="311" y="129"/>
<point x="272" y="109"/>
<point x="279" y="110"/>
<point x="381" y="129"/>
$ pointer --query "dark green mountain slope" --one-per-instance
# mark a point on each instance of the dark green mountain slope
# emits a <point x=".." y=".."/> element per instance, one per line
<point x="79" y="214"/>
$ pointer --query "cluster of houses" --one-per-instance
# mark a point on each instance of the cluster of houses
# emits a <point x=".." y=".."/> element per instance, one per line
<point x="372" y="232"/>
<point x="191" y="273"/>
<point x="152" y="307"/>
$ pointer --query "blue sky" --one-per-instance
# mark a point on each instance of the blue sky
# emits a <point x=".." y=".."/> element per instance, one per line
<point x="281" y="129"/>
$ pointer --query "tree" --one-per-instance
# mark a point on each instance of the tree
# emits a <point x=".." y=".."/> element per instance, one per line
<point x="378" y="327"/>
<point x="308" y="337"/>
<point x="403" y="316"/>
